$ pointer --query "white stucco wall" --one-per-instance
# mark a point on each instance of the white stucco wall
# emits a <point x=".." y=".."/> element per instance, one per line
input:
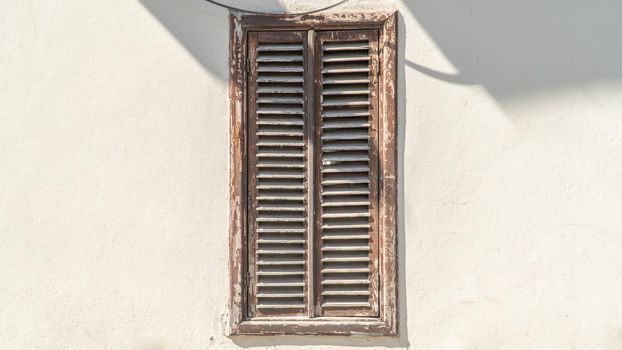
<point x="114" y="171"/>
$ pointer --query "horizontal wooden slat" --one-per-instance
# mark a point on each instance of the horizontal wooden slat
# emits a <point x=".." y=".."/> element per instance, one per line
<point x="344" y="114"/>
<point x="281" y="133"/>
<point x="345" y="125"/>
<point x="362" y="214"/>
<point x="280" y="90"/>
<point x="280" y="295"/>
<point x="345" y="46"/>
<point x="346" y="259"/>
<point x="280" y="252"/>
<point x="346" y="57"/>
<point x="280" y="143"/>
<point x="280" y="100"/>
<point x="281" y="47"/>
<point x="280" y="58"/>
<point x="347" y="180"/>
<point x="345" y="158"/>
<point x="344" y="226"/>
<point x="280" y="262"/>
<point x="328" y="192"/>
<point x="345" y="249"/>
<point x="342" y="103"/>
<point x="345" y="80"/>
<point x="281" y="241"/>
<point x="279" y="306"/>
<point x="281" y="230"/>
<point x="345" y="70"/>
<point x="345" y="304"/>
<point x="349" y="203"/>
<point x="346" y="168"/>
<point x="264" y="219"/>
<point x="347" y="282"/>
<point x="280" y="208"/>
<point x="345" y="91"/>
<point x="283" y="69"/>
<point x="280" y="165"/>
<point x="345" y="270"/>
<point x="268" y="175"/>
<point x="344" y="237"/>
<point x="279" y="111"/>
<point x="280" y="187"/>
<point x="279" y="79"/>
<point x="280" y="155"/>
<point x="280" y="284"/>
<point x="347" y="135"/>
<point x="280" y="273"/>
<point x="345" y="146"/>
<point x="281" y="122"/>
<point x="346" y="292"/>
<point x="280" y="198"/>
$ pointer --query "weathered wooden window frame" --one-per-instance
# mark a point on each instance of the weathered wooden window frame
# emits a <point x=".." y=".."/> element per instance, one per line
<point x="386" y="324"/>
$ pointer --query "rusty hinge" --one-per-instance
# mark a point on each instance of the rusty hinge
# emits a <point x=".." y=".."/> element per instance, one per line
<point x="247" y="65"/>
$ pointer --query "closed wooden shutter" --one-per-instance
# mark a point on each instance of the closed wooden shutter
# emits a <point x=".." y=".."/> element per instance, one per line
<point x="313" y="174"/>
<point x="278" y="171"/>
<point x="313" y="186"/>
<point x="346" y="168"/>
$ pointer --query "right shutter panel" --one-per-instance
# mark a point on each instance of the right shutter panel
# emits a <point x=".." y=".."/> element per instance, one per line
<point x="277" y="170"/>
<point x="346" y="173"/>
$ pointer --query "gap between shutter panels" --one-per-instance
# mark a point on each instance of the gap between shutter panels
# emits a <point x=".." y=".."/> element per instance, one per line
<point x="345" y="120"/>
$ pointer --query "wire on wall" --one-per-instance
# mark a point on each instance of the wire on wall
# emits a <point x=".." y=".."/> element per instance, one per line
<point x="231" y="8"/>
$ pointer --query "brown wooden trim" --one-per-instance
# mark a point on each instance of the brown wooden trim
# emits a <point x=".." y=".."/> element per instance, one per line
<point x="386" y="324"/>
<point x="317" y="326"/>
<point x="317" y="169"/>
<point x="310" y="127"/>
<point x="388" y="172"/>
<point x="328" y="21"/>
<point x="237" y="178"/>
<point x="251" y="190"/>
<point x="374" y="180"/>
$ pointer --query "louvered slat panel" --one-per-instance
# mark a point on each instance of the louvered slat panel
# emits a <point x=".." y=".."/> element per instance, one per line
<point x="346" y="164"/>
<point x="277" y="175"/>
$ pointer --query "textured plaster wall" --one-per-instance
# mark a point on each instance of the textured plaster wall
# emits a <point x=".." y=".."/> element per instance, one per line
<point x="114" y="170"/>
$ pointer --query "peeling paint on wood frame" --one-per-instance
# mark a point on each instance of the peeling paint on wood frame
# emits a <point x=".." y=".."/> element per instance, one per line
<point x="386" y="323"/>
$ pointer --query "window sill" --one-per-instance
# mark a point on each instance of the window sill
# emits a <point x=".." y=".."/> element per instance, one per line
<point x="316" y="326"/>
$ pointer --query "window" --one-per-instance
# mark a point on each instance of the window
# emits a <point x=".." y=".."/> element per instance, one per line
<point x="313" y="174"/>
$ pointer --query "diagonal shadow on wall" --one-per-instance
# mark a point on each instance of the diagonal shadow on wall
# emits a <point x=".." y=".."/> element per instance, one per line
<point x="511" y="48"/>
<point x="523" y="48"/>
<point x="203" y="28"/>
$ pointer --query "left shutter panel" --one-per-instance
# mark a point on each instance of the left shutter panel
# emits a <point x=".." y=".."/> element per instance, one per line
<point x="277" y="164"/>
